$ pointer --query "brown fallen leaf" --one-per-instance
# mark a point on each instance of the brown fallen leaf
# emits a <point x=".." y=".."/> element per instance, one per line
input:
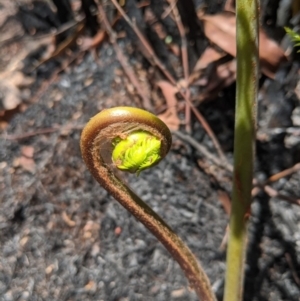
<point x="221" y="30"/>
<point x="10" y="84"/>
<point x="213" y="71"/>
<point x="224" y="199"/>
<point x="170" y="116"/>
<point x="11" y="96"/>
<point x="219" y="77"/>
<point x="213" y="78"/>
<point x="209" y="56"/>
<point x="12" y="79"/>
<point x="170" y="120"/>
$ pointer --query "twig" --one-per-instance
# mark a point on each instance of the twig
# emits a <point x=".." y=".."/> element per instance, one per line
<point x="154" y="59"/>
<point x="292" y="267"/>
<point x="152" y="56"/>
<point x="271" y="191"/>
<point x="30" y="134"/>
<point x="275" y="194"/>
<point x="185" y="62"/>
<point x="123" y="60"/>
<point x="42" y="132"/>
<point x="227" y="166"/>
<point x="295" y="131"/>
<point x="204" y="151"/>
<point x="61" y="48"/>
<point x="284" y="173"/>
<point x="169" y="9"/>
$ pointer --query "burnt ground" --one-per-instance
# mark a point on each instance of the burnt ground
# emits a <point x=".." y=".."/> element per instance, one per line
<point x="63" y="237"/>
<point x="43" y="257"/>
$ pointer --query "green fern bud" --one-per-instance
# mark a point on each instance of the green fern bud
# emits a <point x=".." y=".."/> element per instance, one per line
<point x="139" y="151"/>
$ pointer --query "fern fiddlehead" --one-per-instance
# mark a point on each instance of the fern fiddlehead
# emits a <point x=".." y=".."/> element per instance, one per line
<point x="133" y="140"/>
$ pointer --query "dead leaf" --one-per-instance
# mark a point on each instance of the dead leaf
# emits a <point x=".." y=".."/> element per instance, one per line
<point x="170" y="117"/>
<point x="213" y="79"/>
<point x="8" y="8"/>
<point x="221" y="30"/>
<point x="10" y="96"/>
<point x="10" y="84"/>
<point x="27" y="164"/>
<point x="224" y="200"/>
<point x="220" y="77"/>
<point x="209" y="56"/>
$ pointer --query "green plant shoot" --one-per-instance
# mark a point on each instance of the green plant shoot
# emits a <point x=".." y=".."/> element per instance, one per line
<point x="244" y="145"/>
<point x="295" y="37"/>
<point x="139" y="151"/>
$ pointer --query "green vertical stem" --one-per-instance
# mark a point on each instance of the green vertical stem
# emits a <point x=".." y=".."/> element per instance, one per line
<point x="245" y="126"/>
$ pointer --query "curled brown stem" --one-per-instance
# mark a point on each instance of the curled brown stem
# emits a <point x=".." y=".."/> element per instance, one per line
<point x="96" y="147"/>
